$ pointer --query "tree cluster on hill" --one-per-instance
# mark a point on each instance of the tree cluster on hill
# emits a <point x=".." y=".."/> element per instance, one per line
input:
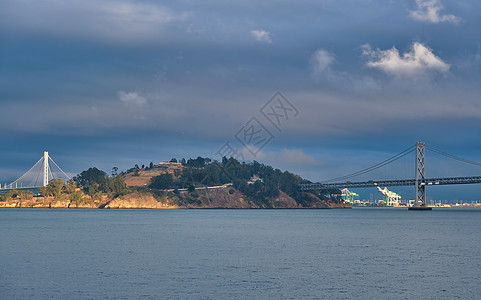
<point x="257" y="181"/>
<point x="94" y="181"/>
<point x="57" y="189"/>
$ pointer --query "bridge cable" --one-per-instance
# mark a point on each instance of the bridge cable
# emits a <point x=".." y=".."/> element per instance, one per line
<point x="59" y="168"/>
<point x="27" y="171"/>
<point x="40" y="171"/>
<point x="454" y="157"/>
<point x="376" y="166"/>
<point x="50" y="172"/>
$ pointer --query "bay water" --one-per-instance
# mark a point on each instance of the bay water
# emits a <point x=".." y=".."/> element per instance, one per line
<point x="360" y="253"/>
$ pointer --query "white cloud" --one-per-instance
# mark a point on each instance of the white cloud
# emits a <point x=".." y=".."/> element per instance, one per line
<point x="417" y="61"/>
<point x="429" y="11"/>
<point x="132" y="99"/>
<point x="261" y="36"/>
<point x="321" y="61"/>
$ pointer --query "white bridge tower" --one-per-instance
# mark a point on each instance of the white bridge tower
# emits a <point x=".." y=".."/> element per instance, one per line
<point x="45" y="168"/>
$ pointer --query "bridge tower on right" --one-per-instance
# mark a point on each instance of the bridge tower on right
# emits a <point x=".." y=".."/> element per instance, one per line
<point x="420" y="184"/>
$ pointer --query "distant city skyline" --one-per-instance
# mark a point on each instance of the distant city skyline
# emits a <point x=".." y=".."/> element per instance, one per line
<point x="117" y="83"/>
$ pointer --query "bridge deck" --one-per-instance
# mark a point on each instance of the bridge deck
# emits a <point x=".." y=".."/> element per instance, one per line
<point x="385" y="183"/>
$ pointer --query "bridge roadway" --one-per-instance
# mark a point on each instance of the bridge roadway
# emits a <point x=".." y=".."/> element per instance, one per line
<point x="35" y="190"/>
<point x="384" y="183"/>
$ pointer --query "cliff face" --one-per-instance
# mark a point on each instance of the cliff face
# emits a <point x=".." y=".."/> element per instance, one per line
<point x="216" y="198"/>
<point x="52" y="202"/>
<point x="126" y="202"/>
<point x="231" y="198"/>
<point x="133" y="201"/>
<point x="209" y="198"/>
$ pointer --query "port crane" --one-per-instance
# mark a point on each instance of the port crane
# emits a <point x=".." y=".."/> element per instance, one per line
<point x="348" y="196"/>
<point x="390" y="197"/>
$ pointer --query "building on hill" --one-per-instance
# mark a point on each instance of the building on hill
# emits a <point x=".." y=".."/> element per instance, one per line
<point x="169" y="164"/>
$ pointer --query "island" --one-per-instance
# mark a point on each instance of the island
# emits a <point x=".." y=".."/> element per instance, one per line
<point x="191" y="184"/>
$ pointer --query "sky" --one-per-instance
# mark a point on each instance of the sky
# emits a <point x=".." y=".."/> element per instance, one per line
<point x="332" y="86"/>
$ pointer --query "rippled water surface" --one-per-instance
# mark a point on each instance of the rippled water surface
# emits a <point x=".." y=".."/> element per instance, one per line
<point x="240" y="254"/>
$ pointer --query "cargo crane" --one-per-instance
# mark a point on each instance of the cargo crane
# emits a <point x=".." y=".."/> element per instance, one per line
<point x="390" y="198"/>
<point x="348" y="196"/>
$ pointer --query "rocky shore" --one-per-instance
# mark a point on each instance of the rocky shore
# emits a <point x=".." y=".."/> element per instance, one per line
<point x="218" y="198"/>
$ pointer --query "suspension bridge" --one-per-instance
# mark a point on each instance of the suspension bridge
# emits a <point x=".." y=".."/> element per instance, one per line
<point x="419" y="181"/>
<point x="39" y="175"/>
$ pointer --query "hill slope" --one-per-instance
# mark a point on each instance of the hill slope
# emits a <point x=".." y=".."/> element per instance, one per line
<point x="195" y="183"/>
<point x="202" y="183"/>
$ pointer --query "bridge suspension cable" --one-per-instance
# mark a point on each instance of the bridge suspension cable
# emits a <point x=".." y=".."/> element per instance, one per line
<point x="453" y="156"/>
<point x="24" y="175"/>
<point x="59" y="168"/>
<point x="376" y="166"/>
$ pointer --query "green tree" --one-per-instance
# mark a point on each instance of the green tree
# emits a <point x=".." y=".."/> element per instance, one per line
<point x="43" y="191"/>
<point x="92" y="176"/>
<point x="113" y="186"/>
<point x="91" y="190"/>
<point x="76" y="196"/>
<point x="199" y="162"/>
<point x="162" y="182"/>
<point x="115" y="171"/>
<point x="55" y="187"/>
<point x="25" y="194"/>
<point x="71" y="186"/>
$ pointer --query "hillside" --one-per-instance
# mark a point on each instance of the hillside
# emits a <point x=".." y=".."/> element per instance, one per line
<point x="142" y="176"/>
<point x="202" y="183"/>
<point x="195" y="183"/>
